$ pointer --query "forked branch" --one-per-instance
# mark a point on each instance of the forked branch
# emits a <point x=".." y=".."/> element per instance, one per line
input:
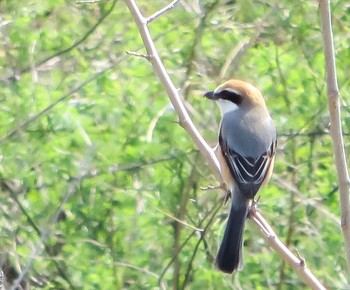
<point x="184" y="118"/>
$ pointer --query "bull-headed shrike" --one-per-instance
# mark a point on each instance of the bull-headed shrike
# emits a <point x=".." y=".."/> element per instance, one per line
<point x="246" y="150"/>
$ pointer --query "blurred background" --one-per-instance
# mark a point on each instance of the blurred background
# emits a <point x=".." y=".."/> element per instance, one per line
<point x="96" y="174"/>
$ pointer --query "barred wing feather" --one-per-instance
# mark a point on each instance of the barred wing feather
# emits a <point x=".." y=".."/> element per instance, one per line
<point x="248" y="172"/>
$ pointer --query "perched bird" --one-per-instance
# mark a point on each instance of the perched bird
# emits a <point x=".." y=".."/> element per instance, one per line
<point x="246" y="151"/>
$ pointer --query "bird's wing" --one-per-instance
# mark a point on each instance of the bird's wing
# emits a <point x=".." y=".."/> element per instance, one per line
<point x="249" y="172"/>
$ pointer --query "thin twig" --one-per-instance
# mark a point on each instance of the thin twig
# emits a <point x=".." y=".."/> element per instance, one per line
<point x="162" y="11"/>
<point x="179" y="221"/>
<point x="45" y="233"/>
<point x="33" y="118"/>
<point x="285" y="185"/>
<point x="138" y="165"/>
<point x="212" y="213"/>
<point x="146" y="56"/>
<point x="335" y="128"/>
<point x="89" y="1"/>
<point x="13" y="194"/>
<point x="184" y="119"/>
<point x="235" y="55"/>
<point x="143" y="270"/>
<point x="215" y="210"/>
<point x="187" y="187"/>
<point x="294" y="261"/>
<point x="237" y="51"/>
<point x="66" y="50"/>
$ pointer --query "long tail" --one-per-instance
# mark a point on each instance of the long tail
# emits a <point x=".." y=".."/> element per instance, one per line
<point x="229" y="257"/>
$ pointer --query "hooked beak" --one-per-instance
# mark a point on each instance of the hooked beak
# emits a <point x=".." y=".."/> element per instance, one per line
<point x="211" y="95"/>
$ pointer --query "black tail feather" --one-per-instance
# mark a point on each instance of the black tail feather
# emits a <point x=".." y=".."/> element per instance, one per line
<point x="229" y="257"/>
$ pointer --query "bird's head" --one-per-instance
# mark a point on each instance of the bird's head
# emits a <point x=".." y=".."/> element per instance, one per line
<point x="235" y="94"/>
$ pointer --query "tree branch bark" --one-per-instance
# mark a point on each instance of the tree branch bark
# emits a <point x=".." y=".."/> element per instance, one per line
<point x="184" y="118"/>
<point x="335" y="128"/>
<point x="296" y="262"/>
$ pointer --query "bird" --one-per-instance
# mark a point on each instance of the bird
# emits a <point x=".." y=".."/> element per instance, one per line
<point x="246" y="152"/>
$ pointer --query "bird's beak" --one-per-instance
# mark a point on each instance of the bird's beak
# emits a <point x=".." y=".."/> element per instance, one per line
<point x="210" y="95"/>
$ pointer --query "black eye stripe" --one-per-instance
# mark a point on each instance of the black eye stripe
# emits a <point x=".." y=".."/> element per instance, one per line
<point x="230" y="96"/>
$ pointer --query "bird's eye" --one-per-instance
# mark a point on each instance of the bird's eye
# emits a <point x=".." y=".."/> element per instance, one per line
<point x="230" y="96"/>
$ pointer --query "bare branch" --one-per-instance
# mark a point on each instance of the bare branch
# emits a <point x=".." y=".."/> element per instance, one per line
<point x="47" y="230"/>
<point x="236" y="52"/>
<point x="47" y="109"/>
<point x="335" y="129"/>
<point x="240" y="49"/>
<point x="184" y="118"/>
<point x="146" y="56"/>
<point x="179" y="221"/>
<point x="294" y="261"/>
<point x="143" y="270"/>
<point x="162" y="11"/>
<point x="64" y="51"/>
<point x="210" y="215"/>
<point x="317" y="204"/>
<point x="6" y="185"/>
<point x="89" y="1"/>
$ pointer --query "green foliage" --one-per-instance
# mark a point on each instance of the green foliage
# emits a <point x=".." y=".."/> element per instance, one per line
<point x="96" y="173"/>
